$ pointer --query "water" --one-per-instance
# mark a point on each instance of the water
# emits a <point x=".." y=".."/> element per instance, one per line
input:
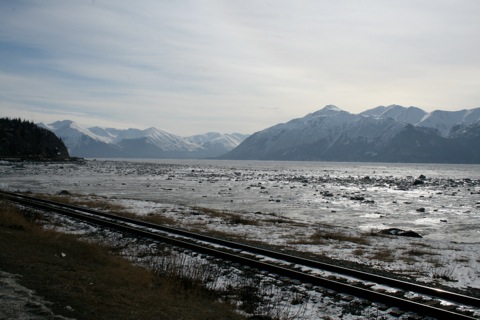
<point x="459" y="171"/>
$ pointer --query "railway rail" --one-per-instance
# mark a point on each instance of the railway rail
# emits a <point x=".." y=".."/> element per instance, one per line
<point x="282" y="264"/>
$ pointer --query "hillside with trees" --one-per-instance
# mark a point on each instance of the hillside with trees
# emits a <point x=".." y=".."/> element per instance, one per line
<point x="21" y="139"/>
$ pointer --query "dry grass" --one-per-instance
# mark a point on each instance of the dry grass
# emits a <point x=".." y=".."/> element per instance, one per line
<point x="303" y="241"/>
<point x="201" y="229"/>
<point x="157" y="219"/>
<point x="435" y="262"/>
<point x="320" y="236"/>
<point x="279" y="221"/>
<point x="214" y="213"/>
<point x="94" y="202"/>
<point x="89" y="279"/>
<point x="235" y="219"/>
<point x="228" y="217"/>
<point x="420" y="253"/>
<point x="421" y="244"/>
<point x="358" y="252"/>
<point x="462" y="260"/>
<point x="10" y="218"/>
<point x="409" y="260"/>
<point x="444" y="273"/>
<point x="384" y="254"/>
<point x="98" y="203"/>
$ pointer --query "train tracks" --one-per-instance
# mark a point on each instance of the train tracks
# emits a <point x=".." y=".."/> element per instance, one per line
<point x="407" y="296"/>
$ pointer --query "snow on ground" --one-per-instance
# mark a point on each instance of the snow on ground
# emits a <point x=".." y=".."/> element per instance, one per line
<point x="328" y="209"/>
<point x="18" y="302"/>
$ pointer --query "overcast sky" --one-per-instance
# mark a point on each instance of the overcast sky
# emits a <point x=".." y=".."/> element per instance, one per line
<point x="190" y="67"/>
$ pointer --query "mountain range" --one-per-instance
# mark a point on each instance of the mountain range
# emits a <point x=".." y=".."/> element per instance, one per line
<point x="97" y="142"/>
<point x="381" y="134"/>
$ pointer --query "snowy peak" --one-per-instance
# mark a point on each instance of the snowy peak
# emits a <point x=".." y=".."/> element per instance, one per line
<point x="375" y="112"/>
<point x="203" y="138"/>
<point x="329" y="118"/>
<point x="442" y="121"/>
<point x="328" y="110"/>
<point x="161" y="139"/>
<point x="226" y="141"/>
<point x="445" y="121"/>
<point x="335" y="117"/>
<point x="410" y="115"/>
<point x="136" y="143"/>
<point x="60" y="124"/>
<point x="166" y="141"/>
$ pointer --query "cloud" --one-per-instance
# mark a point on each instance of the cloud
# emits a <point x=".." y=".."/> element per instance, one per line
<point x="189" y="66"/>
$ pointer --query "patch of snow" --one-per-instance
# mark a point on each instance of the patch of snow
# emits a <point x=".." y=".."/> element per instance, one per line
<point x="19" y="302"/>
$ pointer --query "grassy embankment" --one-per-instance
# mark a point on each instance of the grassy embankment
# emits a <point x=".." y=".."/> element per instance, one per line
<point x="91" y="281"/>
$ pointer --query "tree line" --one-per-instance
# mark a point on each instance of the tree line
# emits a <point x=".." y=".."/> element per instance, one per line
<point x="24" y="140"/>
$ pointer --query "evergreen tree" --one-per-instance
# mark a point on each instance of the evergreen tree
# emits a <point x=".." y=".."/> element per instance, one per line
<point x="24" y="139"/>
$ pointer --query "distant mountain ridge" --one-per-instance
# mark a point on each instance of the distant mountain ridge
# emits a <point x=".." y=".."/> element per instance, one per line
<point x="98" y="142"/>
<point x="381" y="134"/>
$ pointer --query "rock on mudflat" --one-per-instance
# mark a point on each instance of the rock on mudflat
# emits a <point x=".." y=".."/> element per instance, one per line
<point x="400" y="232"/>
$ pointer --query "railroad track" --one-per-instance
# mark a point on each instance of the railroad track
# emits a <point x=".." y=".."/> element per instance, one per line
<point x="426" y="303"/>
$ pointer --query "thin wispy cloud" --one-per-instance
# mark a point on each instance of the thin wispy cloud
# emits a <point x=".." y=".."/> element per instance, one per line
<point x="195" y="66"/>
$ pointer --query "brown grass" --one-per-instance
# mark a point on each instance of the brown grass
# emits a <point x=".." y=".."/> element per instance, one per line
<point x="158" y="219"/>
<point x="462" y="260"/>
<point x="278" y="221"/>
<point x="410" y="260"/>
<point x="419" y="253"/>
<point x="421" y="244"/>
<point x="86" y="277"/>
<point x="320" y="236"/>
<point x="358" y="252"/>
<point x="98" y="203"/>
<point x="435" y="262"/>
<point x="228" y="217"/>
<point x="95" y="202"/>
<point x="385" y="255"/>
<point x="11" y="219"/>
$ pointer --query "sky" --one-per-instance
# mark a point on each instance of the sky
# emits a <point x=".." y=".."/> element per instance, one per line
<point x="191" y="67"/>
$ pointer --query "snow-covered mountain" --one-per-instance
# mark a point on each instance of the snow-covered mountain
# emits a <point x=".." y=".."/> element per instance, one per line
<point x="390" y="134"/>
<point x="97" y="142"/>
<point x="410" y="115"/>
<point x="217" y="142"/>
<point x="444" y="121"/>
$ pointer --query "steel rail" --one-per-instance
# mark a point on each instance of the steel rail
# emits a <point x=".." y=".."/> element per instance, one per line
<point x="94" y="217"/>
